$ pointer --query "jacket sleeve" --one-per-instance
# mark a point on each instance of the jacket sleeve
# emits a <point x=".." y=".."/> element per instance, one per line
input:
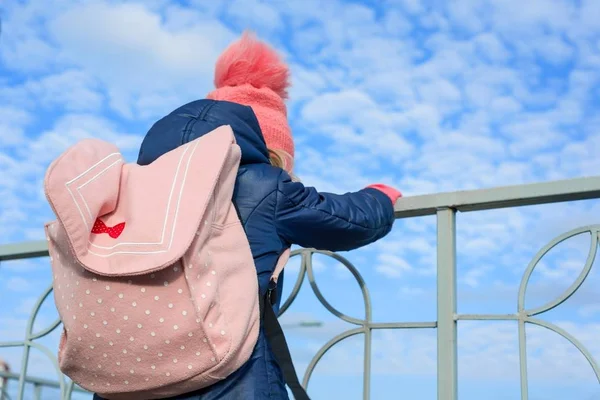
<point x="328" y="221"/>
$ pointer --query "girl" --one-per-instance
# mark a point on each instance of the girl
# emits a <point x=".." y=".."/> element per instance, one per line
<point x="275" y="210"/>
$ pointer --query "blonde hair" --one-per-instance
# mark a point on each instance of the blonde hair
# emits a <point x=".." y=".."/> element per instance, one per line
<point x="282" y="159"/>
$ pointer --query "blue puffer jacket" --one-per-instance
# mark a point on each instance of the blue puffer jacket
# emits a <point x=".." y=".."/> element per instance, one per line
<point x="275" y="213"/>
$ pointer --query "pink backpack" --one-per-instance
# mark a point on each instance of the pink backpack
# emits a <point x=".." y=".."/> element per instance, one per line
<point x="154" y="279"/>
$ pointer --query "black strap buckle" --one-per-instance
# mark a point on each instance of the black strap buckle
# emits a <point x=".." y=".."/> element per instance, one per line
<point x="272" y="292"/>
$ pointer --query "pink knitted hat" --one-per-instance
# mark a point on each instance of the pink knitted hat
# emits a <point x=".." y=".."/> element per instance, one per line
<point x="250" y="72"/>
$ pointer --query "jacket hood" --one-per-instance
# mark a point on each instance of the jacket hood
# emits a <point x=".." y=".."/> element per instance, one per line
<point x="200" y="117"/>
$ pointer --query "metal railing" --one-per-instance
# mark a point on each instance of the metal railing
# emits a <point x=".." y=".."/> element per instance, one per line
<point x="37" y="383"/>
<point x="445" y="207"/>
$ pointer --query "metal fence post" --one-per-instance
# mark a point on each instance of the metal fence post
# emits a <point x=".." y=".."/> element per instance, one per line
<point x="4" y="367"/>
<point x="37" y="391"/>
<point x="446" y="305"/>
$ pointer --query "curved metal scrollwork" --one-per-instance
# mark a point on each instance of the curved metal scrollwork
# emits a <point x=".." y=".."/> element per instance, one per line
<point x="29" y="343"/>
<point x="526" y="315"/>
<point x="306" y="268"/>
<point x="365" y="325"/>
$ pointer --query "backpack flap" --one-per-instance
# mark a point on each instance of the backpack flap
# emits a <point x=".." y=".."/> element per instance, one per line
<point x="124" y="219"/>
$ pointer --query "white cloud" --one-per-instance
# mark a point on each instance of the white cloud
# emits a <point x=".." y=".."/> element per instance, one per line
<point x="468" y="15"/>
<point x="473" y="276"/>
<point x="148" y="60"/>
<point x="74" y="127"/>
<point x="397" y="24"/>
<point x="75" y="90"/>
<point x="255" y="13"/>
<point x="72" y="90"/>
<point x="566" y="270"/>
<point x="22" y="266"/>
<point x="330" y="107"/>
<point x="441" y="93"/>
<point x="13" y="120"/>
<point x="18" y="284"/>
<point x="408" y="6"/>
<point x="26" y="305"/>
<point x="306" y="84"/>
<point x="409" y="291"/>
<point x="23" y="46"/>
<point x="392" y="266"/>
<point x="589" y="310"/>
<point x="532" y="18"/>
<point x="12" y="328"/>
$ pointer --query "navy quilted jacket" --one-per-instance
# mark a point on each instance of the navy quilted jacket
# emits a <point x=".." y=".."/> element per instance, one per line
<point x="275" y="213"/>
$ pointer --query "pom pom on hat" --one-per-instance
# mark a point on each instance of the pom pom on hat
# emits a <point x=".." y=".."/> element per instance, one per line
<point x="249" y="61"/>
<point x="251" y="73"/>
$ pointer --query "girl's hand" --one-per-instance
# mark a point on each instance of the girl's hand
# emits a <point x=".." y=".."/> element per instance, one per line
<point x="390" y="192"/>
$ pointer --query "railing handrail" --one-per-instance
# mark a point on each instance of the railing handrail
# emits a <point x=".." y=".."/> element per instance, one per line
<point x="21" y="250"/>
<point x="500" y="197"/>
<point x="416" y="206"/>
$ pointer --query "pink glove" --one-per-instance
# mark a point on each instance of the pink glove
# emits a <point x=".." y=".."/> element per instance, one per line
<point x="390" y="192"/>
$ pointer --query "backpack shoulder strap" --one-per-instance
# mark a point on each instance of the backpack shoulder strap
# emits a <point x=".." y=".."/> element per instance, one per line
<point x="275" y="335"/>
<point x="281" y="262"/>
<point x="280" y="348"/>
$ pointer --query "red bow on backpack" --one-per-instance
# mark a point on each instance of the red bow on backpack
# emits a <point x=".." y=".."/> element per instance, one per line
<point x="114" y="232"/>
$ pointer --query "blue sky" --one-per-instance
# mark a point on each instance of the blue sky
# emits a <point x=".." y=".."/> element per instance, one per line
<point x="428" y="96"/>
